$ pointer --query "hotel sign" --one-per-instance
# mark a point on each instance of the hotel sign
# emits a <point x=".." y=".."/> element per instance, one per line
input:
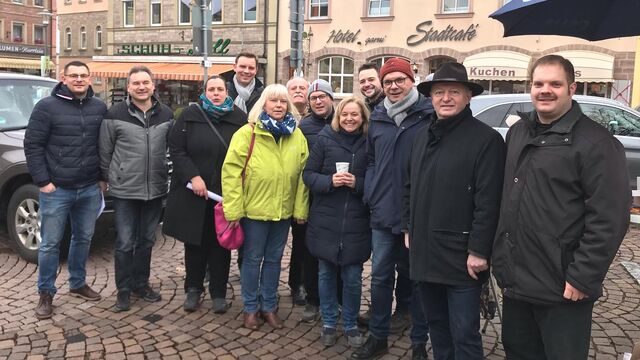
<point x="426" y="33"/>
<point x="21" y="49"/>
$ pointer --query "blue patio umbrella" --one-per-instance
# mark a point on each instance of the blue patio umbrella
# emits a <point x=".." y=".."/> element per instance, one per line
<point x="588" y="19"/>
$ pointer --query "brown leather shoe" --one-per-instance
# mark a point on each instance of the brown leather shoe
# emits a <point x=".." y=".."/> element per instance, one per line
<point x="85" y="292"/>
<point x="273" y="320"/>
<point x="252" y="321"/>
<point x="44" y="310"/>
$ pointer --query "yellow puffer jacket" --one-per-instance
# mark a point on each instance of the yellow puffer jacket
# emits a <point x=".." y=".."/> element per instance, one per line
<point x="273" y="187"/>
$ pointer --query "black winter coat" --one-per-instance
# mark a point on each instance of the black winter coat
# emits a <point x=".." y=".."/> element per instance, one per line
<point x="388" y="153"/>
<point x="312" y="125"/>
<point x="196" y="150"/>
<point x="338" y="230"/>
<point x="452" y="198"/>
<point x="255" y="95"/>
<point x="61" y="141"/>
<point x="565" y="208"/>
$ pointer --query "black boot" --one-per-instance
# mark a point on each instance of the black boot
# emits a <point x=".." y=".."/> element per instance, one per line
<point x="419" y="352"/>
<point x="371" y="349"/>
<point x="192" y="301"/>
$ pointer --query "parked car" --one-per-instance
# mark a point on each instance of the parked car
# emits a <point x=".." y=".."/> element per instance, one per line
<point x="501" y="111"/>
<point x="18" y="195"/>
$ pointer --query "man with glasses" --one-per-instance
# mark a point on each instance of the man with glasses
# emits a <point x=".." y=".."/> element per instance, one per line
<point x="393" y="126"/>
<point x="450" y="212"/>
<point x="321" y="106"/>
<point x="61" y="148"/>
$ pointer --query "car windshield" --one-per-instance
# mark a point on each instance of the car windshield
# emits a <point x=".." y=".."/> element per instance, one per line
<point x="17" y="99"/>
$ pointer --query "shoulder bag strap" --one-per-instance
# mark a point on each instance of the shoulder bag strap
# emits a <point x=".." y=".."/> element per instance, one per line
<point x="246" y="161"/>
<point x="206" y="119"/>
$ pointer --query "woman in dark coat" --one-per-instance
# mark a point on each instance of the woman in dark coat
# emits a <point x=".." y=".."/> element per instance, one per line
<point x="197" y="154"/>
<point x="338" y="233"/>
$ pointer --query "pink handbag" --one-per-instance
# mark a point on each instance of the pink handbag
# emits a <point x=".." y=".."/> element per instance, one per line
<point x="228" y="238"/>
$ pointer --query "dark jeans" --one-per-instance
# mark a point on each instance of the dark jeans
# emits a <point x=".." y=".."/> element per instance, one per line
<point x="298" y="248"/>
<point x="389" y="254"/>
<point x="136" y="222"/>
<point x="209" y="252"/>
<point x="553" y="332"/>
<point x="453" y="313"/>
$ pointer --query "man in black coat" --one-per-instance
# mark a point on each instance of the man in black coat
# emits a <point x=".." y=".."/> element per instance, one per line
<point x="565" y="210"/>
<point x="451" y="206"/>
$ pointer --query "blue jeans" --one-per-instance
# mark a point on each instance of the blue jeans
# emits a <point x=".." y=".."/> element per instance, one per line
<point x="81" y="205"/>
<point x="264" y="243"/>
<point x="136" y="222"/>
<point x="351" y="293"/>
<point x="453" y="313"/>
<point x="389" y="252"/>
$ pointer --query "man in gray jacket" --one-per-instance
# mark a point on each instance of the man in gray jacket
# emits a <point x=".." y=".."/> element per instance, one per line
<point x="133" y="143"/>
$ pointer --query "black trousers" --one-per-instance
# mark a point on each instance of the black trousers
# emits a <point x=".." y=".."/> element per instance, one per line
<point x="209" y="252"/>
<point x="552" y="332"/>
<point x="298" y="248"/>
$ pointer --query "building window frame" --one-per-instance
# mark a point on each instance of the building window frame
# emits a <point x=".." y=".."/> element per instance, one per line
<point x="221" y="11"/>
<point x="245" y="12"/>
<point x="98" y="37"/>
<point x="335" y="78"/>
<point x="155" y="5"/>
<point x="67" y="2"/>
<point x="41" y="3"/>
<point x="181" y="9"/>
<point x="457" y="8"/>
<point x="37" y="28"/>
<point x="17" y="2"/>
<point x="2" y="29"/>
<point x="377" y="4"/>
<point x="316" y="9"/>
<point x="15" y="38"/>
<point x="83" y="37"/>
<point x="126" y="22"/>
<point x="67" y="38"/>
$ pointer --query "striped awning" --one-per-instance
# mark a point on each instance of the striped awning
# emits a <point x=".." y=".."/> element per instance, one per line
<point x="13" y="63"/>
<point x="165" y="71"/>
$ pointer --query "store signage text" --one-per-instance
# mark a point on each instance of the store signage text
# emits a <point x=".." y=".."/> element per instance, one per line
<point x="475" y="71"/>
<point x="22" y="49"/>
<point x="343" y="36"/>
<point x="425" y="32"/>
<point x="219" y="47"/>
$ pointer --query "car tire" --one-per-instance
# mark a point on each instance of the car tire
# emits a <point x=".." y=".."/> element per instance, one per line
<point x="23" y="224"/>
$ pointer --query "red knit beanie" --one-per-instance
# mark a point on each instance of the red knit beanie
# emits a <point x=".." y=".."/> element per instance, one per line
<point x="396" y="64"/>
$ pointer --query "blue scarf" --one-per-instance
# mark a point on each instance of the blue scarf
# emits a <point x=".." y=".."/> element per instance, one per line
<point x="278" y="128"/>
<point x="215" y="112"/>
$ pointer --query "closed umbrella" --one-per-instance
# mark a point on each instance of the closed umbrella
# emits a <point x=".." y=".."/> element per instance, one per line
<point x="588" y="19"/>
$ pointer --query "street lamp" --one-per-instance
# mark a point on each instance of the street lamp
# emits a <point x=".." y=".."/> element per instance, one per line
<point x="44" y="60"/>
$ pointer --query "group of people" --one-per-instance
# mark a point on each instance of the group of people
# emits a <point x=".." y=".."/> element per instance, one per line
<point x="404" y="174"/>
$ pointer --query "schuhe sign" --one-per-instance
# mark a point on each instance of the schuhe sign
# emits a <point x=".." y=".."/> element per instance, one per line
<point x="425" y="32"/>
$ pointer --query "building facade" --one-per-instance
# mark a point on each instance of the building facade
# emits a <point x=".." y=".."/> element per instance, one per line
<point x="26" y="36"/>
<point x="341" y="35"/>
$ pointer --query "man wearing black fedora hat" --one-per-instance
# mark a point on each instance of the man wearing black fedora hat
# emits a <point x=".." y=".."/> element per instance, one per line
<point x="451" y="206"/>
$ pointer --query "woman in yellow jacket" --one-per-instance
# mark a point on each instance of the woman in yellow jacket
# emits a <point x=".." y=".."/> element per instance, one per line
<point x="271" y="193"/>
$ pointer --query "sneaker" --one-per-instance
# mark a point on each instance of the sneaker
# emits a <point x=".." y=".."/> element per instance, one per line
<point x="85" y="292"/>
<point x="299" y="296"/>
<point x="354" y="339"/>
<point x="329" y="336"/>
<point x="220" y="306"/>
<point x="310" y="313"/>
<point x="363" y="319"/>
<point x="44" y="310"/>
<point x="371" y="349"/>
<point x="123" y="302"/>
<point x="419" y="352"/>
<point x="400" y="320"/>
<point x="192" y="301"/>
<point x="147" y="294"/>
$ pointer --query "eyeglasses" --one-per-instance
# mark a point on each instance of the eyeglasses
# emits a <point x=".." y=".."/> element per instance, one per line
<point x="398" y="81"/>
<point x="322" y="97"/>
<point x="77" y="76"/>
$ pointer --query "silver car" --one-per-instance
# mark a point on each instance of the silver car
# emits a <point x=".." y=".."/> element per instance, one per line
<point x="501" y="111"/>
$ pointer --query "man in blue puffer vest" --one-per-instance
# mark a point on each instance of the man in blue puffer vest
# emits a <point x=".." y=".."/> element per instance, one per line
<point x="61" y="147"/>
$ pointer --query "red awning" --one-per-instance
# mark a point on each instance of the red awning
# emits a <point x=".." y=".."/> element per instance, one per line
<point x="166" y="71"/>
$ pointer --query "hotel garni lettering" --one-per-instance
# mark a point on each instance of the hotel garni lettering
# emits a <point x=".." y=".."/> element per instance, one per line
<point x="425" y="32"/>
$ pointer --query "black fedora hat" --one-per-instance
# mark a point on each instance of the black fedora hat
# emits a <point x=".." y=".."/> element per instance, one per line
<point x="451" y="72"/>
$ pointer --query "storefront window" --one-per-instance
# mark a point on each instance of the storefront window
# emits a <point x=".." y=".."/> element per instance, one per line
<point x="600" y="89"/>
<point x="502" y="87"/>
<point x="338" y="71"/>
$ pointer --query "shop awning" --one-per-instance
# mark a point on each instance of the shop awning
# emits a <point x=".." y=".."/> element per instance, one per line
<point x="497" y="65"/>
<point x="165" y="71"/>
<point x="13" y="63"/>
<point x="590" y="66"/>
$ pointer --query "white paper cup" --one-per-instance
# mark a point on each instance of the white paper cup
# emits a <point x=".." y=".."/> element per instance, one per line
<point x="342" y="167"/>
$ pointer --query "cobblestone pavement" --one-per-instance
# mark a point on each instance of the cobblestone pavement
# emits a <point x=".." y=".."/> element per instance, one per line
<point x="88" y="330"/>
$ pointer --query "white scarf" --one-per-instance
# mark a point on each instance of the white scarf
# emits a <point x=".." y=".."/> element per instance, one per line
<point x="243" y="93"/>
<point x="398" y="111"/>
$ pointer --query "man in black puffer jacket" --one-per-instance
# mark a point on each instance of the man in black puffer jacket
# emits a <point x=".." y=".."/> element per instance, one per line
<point x="61" y="147"/>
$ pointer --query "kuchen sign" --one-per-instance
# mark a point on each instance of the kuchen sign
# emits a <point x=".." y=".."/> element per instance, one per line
<point x="494" y="71"/>
<point x="426" y="33"/>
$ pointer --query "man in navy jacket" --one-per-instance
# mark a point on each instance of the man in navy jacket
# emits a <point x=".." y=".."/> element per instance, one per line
<point x="61" y="147"/>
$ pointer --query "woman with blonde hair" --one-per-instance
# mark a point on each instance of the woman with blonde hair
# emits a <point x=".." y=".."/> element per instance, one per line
<point x="338" y="233"/>
<point x="263" y="189"/>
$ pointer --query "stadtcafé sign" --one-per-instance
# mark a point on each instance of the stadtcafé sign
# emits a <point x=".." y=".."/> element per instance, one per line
<point x="21" y="49"/>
